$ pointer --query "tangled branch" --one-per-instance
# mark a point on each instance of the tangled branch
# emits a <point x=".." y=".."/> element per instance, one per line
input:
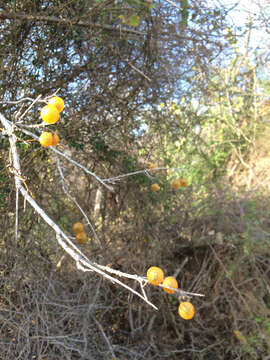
<point x="82" y="262"/>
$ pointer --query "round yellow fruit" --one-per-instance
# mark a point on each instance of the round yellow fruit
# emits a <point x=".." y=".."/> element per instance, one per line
<point x="57" y="102"/>
<point x="171" y="282"/>
<point x="184" y="182"/>
<point x="155" y="187"/>
<point x="46" y="139"/>
<point x="78" y="227"/>
<point x="55" y="139"/>
<point x="81" y="237"/>
<point x="155" y="275"/>
<point x="49" y="114"/>
<point x="186" y="310"/>
<point x="176" y="183"/>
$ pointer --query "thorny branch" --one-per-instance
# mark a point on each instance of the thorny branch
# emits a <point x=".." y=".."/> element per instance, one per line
<point x="82" y="262"/>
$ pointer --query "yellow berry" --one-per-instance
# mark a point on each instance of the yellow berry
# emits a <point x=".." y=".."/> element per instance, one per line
<point x="176" y="183"/>
<point x="186" y="310"/>
<point x="81" y="237"/>
<point x="184" y="182"/>
<point x="49" y="114"/>
<point x="155" y="275"/>
<point x="78" y="227"/>
<point x="155" y="187"/>
<point x="58" y="102"/>
<point x="46" y="139"/>
<point x="171" y="282"/>
<point x="55" y="139"/>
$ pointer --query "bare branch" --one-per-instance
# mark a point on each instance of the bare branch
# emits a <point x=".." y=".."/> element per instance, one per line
<point x="29" y="107"/>
<point x="105" y="336"/>
<point x="144" y="171"/>
<point x="17" y="102"/>
<point x="62" y="21"/>
<point x="67" y="158"/>
<point x="173" y="4"/>
<point x="139" y="71"/>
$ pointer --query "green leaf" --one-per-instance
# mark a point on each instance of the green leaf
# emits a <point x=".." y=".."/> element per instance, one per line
<point x="141" y="152"/>
<point x="184" y="17"/>
<point x="267" y="326"/>
<point x="258" y="320"/>
<point x="184" y="4"/>
<point x="134" y="20"/>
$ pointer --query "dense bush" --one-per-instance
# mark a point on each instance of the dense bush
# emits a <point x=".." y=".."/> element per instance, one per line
<point x="142" y="84"/>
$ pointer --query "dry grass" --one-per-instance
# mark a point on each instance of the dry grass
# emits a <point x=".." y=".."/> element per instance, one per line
<point x="61" y="313"/>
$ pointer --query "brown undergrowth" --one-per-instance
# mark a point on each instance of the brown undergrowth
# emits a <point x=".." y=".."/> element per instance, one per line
<point x="221" y="245"/>
<point x="216" y="236"/>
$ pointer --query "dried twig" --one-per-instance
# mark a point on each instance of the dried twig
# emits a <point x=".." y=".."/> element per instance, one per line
<point x="76" y="202"/>
<point x="29" y="107"/>
<point x="27" y="132"/>
<point x="68" y="22"/>
<point x="105" y="336"/>
<point x="139" y="71"/>
<point x="145" y="171"/>
<point x="173" y="4"/>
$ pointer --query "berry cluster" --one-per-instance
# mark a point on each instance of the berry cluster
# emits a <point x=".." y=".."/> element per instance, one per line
<point x="81" y="236"/>
<point x="51" y="114"/>
<point x="155" y="276"/>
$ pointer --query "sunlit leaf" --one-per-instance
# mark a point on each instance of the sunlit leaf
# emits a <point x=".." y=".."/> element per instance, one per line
<point x="134" y="20"/>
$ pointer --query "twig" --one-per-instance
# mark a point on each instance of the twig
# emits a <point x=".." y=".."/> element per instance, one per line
<point x="180" y="292"/>
<point x="130" y="316"/>
<point x="68" y="22"/>
<point x="102" y="181"/>
<point x="173" y="4"/>
<point x="75" y="201"/>
<point x="89" y="267"/>
<point x="18" y="101"/>
<point x="17" y="214"/>
<point x="177" y="271"/>
<point x="105" y="337"/>
<point x="83" y="168"/>
<point x="139" y="71"/>
<point x="119" y="177"/>
<point x="27" y="132"/>
<point x="29" y="107"/>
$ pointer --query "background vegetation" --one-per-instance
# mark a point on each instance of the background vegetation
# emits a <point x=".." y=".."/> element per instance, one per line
<point x="176" y="84"/>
